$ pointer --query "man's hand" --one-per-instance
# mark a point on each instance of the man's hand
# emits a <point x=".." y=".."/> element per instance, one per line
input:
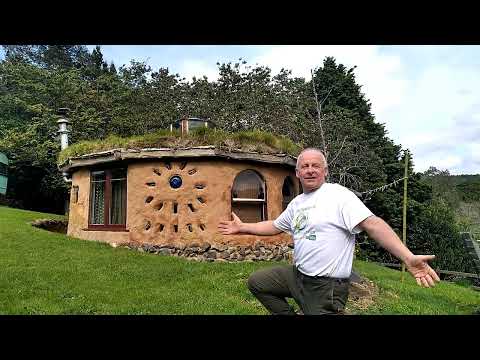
<point x="230" y="227"/>
<point x="236" y="226"/>
<point x="421" y="271"/>
<point x="417" y="265"/>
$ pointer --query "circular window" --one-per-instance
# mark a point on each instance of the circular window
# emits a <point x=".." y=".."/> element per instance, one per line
<point x="175" y="181"/>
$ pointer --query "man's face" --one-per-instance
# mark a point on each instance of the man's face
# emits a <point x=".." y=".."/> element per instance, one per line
<point x="311" y="171"/>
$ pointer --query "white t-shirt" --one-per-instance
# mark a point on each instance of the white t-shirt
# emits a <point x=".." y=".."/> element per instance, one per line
<point x="323" y="224"/>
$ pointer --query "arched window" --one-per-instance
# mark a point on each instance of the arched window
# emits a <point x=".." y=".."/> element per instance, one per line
<point x="248" y="197"/>
<point x="288" y="192"/>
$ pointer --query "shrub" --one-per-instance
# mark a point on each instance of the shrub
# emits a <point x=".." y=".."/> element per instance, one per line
<point x="432" y="230"/>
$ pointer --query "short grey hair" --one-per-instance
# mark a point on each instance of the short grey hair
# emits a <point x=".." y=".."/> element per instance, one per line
<point x="314" y="150"/>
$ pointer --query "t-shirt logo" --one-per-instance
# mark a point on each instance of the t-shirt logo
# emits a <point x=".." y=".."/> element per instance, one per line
<point x="300" y="221"/>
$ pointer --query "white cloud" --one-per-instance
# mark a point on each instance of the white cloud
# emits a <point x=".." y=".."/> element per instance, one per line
<point x="451" y="161"/>
<point x="448" y="145"/>
<point x="438" y="118"/>
<point x="475" y="152"/>
<point x="381" y="76"/>
<point x="440" y="160"/>
<point x="198" y="68"/>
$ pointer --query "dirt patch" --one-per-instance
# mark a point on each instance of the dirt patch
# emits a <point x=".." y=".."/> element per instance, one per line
<point x="362" y="295"/>
<point x="58" y="226"/>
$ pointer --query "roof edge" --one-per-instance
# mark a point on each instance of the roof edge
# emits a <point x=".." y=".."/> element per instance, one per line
<point x="159" y="153"/>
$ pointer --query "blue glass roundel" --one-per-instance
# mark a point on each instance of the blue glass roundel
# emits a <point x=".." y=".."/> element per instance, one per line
<point x="175" y="181"/>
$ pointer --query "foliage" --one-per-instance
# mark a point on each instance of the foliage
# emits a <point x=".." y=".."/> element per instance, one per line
<point x="435" y="232"/>
<point x="469" y="191"/>
<point x="253" y="109"/>
<point x="461" y="193"/>
<point x="431" y="229"/>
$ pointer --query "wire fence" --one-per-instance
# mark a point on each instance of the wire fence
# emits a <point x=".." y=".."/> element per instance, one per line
<point x="367" y="195"/>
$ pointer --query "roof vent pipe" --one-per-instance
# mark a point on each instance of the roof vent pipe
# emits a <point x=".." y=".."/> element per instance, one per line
<point x="62" y="124"/>
<point x="63" y="131"/>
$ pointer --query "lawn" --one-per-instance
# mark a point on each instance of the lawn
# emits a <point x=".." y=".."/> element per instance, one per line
<point x="50" y="273"/>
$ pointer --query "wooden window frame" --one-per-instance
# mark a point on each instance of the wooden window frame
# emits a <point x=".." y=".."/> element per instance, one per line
<point x="250" y="200"/>
<point x="106" y="203"/>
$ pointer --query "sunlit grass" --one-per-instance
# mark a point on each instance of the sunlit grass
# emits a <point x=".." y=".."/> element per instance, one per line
<point x="50" y="273"/>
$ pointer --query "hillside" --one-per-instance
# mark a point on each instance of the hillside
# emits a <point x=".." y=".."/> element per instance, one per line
<point x="462" y="193"/>
<point x="50" y="273"/>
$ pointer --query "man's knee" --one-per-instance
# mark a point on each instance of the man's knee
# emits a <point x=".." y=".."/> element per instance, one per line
<point x="253" y="282"/>
<point x="268" y="280"/>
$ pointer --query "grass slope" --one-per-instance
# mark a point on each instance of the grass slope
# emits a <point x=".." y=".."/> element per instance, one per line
<point x="50" y="273"/>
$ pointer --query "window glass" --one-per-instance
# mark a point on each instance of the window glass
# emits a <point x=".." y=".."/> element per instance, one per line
<point x="118" y="204"/>
<point x="97" y="196"/>
<point x="248" y="185"/>
<point x="288" y="192"/>
<point x="108" y="197"/>
<point x="118" y="174"/>
<point x="248" y="196"/>
<point x="98" y="175"/>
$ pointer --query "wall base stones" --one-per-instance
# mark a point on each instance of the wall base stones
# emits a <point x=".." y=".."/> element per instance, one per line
<point x="218" y="252"/>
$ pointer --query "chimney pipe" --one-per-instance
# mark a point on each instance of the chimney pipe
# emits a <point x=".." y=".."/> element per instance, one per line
<point x="62" y="123"/>
<point x="63" y="131"/>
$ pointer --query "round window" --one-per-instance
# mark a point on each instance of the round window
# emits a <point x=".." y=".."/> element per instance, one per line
<point x="175" y="181"/>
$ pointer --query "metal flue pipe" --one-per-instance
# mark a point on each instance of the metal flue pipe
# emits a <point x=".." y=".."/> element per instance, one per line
<point x="63" y="131"/>
<point x="62" y="124"/>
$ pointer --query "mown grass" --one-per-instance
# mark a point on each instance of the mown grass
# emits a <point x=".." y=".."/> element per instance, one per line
<point x="50" y="273"/>
<point x="397" y="297"/>
<point x="255" y="140"/>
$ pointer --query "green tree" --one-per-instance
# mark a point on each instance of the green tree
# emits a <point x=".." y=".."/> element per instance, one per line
<point x="435" y="232"/>
<point x="49" y="56"/>
<point x="30" y="94"/>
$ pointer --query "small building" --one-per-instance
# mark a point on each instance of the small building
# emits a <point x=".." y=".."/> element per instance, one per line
<point x="3" y="174"/>
<point x="171" y="200"/>
<point x="185" y="125"/>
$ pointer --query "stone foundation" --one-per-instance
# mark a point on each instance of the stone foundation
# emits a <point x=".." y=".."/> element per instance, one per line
<point x="219" y="253"/>
<point x="59" y="226"/>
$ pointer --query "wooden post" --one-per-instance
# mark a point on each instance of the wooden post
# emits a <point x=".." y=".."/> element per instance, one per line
<point x="405" y="180"/>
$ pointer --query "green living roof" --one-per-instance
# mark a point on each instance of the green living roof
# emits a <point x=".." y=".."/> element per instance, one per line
<point x="203" y="141"/>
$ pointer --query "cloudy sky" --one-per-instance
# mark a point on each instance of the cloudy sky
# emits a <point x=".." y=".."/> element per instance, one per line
<point x="428" y="97"/>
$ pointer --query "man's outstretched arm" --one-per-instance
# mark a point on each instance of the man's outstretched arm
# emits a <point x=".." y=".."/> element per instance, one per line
<point x="417" y="265"/>
<point x="236" y="226"/>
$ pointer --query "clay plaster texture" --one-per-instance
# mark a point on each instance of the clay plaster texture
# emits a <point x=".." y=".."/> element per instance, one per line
<point x="187" y="216"/>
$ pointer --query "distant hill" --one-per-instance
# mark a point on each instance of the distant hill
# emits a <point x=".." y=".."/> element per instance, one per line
<point x="468" y="187"/>
<point x="462" y="193"/>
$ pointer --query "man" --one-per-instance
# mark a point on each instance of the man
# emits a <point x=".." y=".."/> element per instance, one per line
<point x="323" y="222"/>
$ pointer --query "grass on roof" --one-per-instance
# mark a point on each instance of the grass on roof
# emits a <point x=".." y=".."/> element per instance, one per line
<point x="250" y="141"/>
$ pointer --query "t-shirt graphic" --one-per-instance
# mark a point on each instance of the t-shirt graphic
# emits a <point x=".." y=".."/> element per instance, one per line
<point x="300" y="221"/>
